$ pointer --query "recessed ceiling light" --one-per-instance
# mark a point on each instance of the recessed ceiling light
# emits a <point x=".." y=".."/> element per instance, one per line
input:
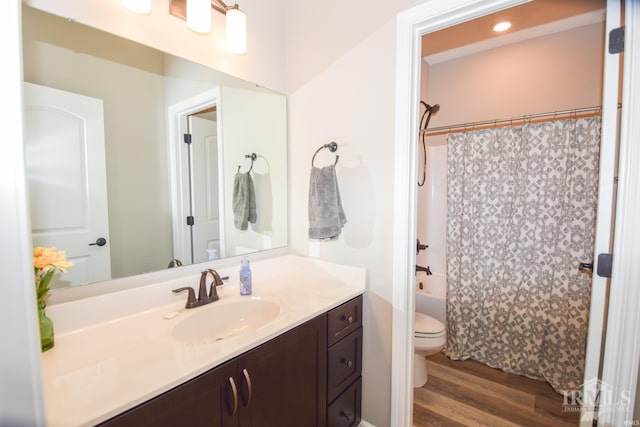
<point x="502" y="26"/>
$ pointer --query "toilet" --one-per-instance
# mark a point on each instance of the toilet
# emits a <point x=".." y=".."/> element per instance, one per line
<point x="429" y="338"/>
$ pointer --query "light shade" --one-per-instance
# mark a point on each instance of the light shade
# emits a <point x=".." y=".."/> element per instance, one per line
<point x="199" y="15"/>
<point x="236" y="41"/>
<point x="138" y="6"/>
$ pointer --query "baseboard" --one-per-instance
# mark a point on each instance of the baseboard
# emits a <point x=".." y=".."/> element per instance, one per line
<point x="363" y="423"/>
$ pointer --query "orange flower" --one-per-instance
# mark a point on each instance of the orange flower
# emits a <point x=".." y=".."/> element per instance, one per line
<point x="45" y="259"/>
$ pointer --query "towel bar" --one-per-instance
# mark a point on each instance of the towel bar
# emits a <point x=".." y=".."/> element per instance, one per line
<point x="332" y="146"/>
<point x="253" y="158"/>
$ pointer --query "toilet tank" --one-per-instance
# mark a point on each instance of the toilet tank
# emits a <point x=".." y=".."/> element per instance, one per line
<point x="431" y="295"/>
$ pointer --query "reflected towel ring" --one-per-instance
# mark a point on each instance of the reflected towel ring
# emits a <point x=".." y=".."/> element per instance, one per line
<point x="332" y="146"/>
<point x="253" y="158"/>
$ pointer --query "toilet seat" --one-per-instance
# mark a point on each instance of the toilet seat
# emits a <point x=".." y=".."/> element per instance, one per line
<point x="427" y="327"/>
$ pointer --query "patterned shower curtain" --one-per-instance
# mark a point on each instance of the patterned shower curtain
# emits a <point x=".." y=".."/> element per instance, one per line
<point x="521" y="217"/>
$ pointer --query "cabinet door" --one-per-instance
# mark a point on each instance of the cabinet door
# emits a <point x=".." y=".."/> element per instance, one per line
<point x="283" y="382"/>
<point x="207" y="400"/>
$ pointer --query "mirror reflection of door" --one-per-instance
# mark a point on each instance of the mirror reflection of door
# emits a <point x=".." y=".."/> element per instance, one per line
<point x="65" y="168"/>
<point x="205" y="231"/>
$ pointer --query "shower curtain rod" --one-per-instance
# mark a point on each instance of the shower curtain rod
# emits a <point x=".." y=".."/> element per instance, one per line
<point x="464" y="126"/>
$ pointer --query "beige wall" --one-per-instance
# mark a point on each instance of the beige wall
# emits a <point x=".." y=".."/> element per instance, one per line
<point x="550" y="73"/>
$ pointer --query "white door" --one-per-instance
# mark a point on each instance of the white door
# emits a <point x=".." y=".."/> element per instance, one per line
<point x="604" y="220"/>
<point x="66" y="174"/>
<point x="205" y="187"/>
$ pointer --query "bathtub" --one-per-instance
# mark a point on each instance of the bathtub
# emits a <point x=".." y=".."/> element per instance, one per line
<point x="431" y="295"/>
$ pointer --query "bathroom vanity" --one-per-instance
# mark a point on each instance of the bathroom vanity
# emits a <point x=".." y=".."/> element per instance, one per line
<point x="291" y="356"/>
<point x="285" y="381"/>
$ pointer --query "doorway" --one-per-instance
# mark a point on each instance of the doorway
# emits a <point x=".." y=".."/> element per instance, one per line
<point x="196" y="183"/>
<point x="421" y="20"/>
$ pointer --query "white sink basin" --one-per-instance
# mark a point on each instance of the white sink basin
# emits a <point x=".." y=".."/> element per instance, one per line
<point x="215" y="322"/>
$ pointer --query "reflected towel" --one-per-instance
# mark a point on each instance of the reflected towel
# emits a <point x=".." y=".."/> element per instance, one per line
<point x="326" y="216"/>
<point x="244" y="201"/>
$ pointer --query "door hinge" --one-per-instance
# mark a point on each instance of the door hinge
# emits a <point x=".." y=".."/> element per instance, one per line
<point x="605" y="262"/>
<point x="187" y="138"/>
<point x="616" y="40"/>
<point x="190" y="220"/>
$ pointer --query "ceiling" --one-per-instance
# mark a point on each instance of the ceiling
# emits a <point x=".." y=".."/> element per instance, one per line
<point x="526" y="16"/>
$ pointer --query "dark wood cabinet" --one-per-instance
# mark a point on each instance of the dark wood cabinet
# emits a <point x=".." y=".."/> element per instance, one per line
<point x="288" y="379"/>
<point x="344" y="364"/>
<point x="281" y="382"/>
<point x="309" y="376"/>
<point x="206" y="400"/>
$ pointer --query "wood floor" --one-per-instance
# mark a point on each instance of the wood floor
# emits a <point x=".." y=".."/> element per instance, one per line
<point x="470" y="393"/>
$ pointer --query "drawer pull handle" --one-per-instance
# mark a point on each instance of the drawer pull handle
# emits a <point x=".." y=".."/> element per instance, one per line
<point x="347" y="362"/>
<point x="348" y="415"/>
<point x="247" y="380"/>
<point x="234" y="390"/>
<point x="348" y="319"/>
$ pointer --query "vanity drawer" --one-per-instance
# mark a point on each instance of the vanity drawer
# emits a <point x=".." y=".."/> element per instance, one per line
<point x="344" y="364"/>
<point x="345" y="411"/>
<point x="344" y="319"/>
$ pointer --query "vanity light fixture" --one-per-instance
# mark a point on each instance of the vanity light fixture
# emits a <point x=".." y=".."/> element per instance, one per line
<point x="198" y="17"/>
<point x="502" y="26"/>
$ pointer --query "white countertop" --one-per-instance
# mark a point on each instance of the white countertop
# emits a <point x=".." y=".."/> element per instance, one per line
<point x="115" y="351"/>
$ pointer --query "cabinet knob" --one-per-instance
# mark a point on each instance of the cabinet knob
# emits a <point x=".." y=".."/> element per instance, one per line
<point x="347" y="362"/>
<point x="348" y="415"/>
<point x="348" y="319"/>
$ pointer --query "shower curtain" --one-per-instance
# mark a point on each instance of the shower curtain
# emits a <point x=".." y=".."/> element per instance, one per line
<point x="521" y="217"/>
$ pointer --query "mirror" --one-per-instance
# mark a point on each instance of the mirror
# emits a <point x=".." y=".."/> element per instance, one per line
<point x="86" y="89"/>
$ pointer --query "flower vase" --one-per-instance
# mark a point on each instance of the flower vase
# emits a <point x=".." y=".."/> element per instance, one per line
<point x="46" y="328"/>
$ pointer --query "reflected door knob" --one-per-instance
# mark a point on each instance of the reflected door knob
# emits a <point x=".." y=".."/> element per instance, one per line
<point x="100" y="241"/>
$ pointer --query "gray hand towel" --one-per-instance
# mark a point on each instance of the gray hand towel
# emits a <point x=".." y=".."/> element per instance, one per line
<point x="326" y="216"/>
<point x="244" y="201"/>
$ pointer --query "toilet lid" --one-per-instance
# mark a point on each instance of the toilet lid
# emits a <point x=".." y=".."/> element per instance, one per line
<point x="427" y="325"/>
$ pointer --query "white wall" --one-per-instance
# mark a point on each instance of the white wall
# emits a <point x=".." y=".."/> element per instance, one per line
<point x="551" y="73"/>
<point x="256" y="130"/>
<point x="341" y="87"/>
<point x="21" y="399"/>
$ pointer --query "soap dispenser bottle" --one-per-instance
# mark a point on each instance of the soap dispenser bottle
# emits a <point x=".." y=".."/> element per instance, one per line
<point x="245" y="277"/>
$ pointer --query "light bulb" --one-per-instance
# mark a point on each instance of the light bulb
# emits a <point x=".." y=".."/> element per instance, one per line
<point x="502" y="26"/>
<point x="199" y="15"/>
<point x="236" y="41"/>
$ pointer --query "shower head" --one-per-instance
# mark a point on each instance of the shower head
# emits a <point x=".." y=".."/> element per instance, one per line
<point x="429" y="110"/>
<point x="432" y="109"/>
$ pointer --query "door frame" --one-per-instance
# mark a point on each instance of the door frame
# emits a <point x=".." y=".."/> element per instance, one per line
<point x="176" y="128"/>
<point x="620" y="366"/>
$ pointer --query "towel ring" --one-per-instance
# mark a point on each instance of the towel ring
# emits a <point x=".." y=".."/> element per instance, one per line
<point x="253" y="158"/>
<point x="332" y="146"/>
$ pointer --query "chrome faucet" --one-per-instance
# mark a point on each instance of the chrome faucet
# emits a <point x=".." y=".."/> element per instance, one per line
<point x="203" y="297"/>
